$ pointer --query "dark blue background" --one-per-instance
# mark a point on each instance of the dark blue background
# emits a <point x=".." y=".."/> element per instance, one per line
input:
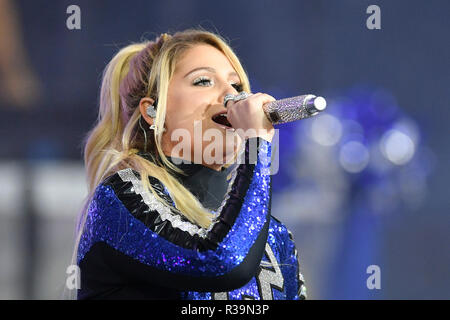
<point x="288" y="48"/>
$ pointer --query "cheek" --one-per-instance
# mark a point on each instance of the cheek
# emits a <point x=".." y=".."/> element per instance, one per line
<point x="183" y="108"/>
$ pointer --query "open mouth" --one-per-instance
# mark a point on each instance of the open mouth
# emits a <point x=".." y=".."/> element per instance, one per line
<point x="221" y="118"/>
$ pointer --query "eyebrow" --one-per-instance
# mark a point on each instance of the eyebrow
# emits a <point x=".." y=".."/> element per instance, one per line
<point x="210" y="70"/>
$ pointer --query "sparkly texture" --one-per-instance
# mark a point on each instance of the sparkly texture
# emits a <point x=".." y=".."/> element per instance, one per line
<point x="288" y="110"/>
<point x="280" y="252"/>
<point x="153" y="203"/>
<point x="109" y="221"/>
<point x="270" y="278"/>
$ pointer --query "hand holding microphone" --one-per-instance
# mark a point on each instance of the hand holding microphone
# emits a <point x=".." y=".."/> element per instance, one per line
<point x="262" y="111"/>
<point x="245" y="112"/>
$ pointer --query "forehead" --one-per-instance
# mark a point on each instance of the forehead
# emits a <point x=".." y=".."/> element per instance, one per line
<point x="203" y="55"/>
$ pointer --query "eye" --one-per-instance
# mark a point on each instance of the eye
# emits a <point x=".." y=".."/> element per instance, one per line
<point x="238" y="86"/>
<point x="202" y="81"/>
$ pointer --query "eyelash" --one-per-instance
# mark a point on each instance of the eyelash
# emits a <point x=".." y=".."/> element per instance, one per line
<point x="237" y="86"/>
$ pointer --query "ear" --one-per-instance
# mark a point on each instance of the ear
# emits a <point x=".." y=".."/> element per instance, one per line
<point x="143" y="104"/>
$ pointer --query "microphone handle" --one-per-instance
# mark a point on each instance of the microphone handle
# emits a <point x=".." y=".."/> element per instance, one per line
<point x="295" y="108"/>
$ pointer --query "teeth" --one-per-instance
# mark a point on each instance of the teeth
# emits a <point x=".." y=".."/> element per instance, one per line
<point x="220" y="115"/>
<point x="224" y="120"/>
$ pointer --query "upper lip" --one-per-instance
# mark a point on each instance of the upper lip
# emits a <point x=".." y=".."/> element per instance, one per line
<point x="218" y="113"/>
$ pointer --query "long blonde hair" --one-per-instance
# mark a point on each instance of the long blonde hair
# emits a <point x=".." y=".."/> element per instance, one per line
<point x="141" y="70"/>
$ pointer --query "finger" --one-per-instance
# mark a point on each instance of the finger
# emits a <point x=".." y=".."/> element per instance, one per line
<point x="231" y="98"/>
<point x="232" y="102"/>
<point x="256" y="101"/>
<point x="263" y="97"/>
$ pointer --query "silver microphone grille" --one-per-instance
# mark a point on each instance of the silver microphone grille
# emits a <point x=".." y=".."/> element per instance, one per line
<point x="295" y="108"/>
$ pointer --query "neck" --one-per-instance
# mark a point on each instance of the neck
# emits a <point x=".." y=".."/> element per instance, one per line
<point x="208" y="183"/>
<point x="213" y="166"/>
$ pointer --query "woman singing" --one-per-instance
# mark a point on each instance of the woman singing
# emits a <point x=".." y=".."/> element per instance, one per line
<point x="179" y="181"/>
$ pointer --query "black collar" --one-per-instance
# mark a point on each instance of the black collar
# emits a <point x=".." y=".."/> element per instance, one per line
<point x="207" y="185"/>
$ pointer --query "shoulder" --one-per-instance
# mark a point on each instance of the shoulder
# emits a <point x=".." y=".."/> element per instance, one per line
<point x="280" y="237"/>
<point x="128" y="188"/>
<point x="121" y="209"/>
<point x="125" y="187"/>
<point x="156" y="211"/>
<point x="128" y="182"/>
<point x="279" y="228"/>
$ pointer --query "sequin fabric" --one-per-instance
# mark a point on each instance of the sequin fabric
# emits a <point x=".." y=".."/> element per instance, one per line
<point x="280" y="256"/>
<point x="109" y="221"/>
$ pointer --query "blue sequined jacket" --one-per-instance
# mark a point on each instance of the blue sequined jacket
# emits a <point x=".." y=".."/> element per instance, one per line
<point x="135" y="247"/>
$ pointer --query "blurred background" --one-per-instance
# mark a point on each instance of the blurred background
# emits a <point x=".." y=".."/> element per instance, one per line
<point x="363" y="184"/>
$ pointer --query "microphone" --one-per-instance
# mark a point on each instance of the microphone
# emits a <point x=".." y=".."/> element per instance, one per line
<point x="295" y="108"/>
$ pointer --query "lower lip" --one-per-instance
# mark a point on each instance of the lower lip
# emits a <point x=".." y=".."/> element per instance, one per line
<point x="223" y="127"/>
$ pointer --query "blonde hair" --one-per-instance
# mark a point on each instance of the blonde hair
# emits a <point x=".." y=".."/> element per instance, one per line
<point x="136" y="71"/>
<point x="143" y="70"/>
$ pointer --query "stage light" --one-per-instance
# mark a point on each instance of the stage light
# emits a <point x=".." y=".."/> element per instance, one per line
<point x="326" y="130"/>
<point x="354" y="156"/>
<point x="397" y="147"/>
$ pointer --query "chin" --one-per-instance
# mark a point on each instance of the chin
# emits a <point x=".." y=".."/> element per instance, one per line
<point x="232" y="146"/>
<point x="223" y="154"/>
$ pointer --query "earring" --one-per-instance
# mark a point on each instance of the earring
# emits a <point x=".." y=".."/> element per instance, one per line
<point x="151" y="112"/>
